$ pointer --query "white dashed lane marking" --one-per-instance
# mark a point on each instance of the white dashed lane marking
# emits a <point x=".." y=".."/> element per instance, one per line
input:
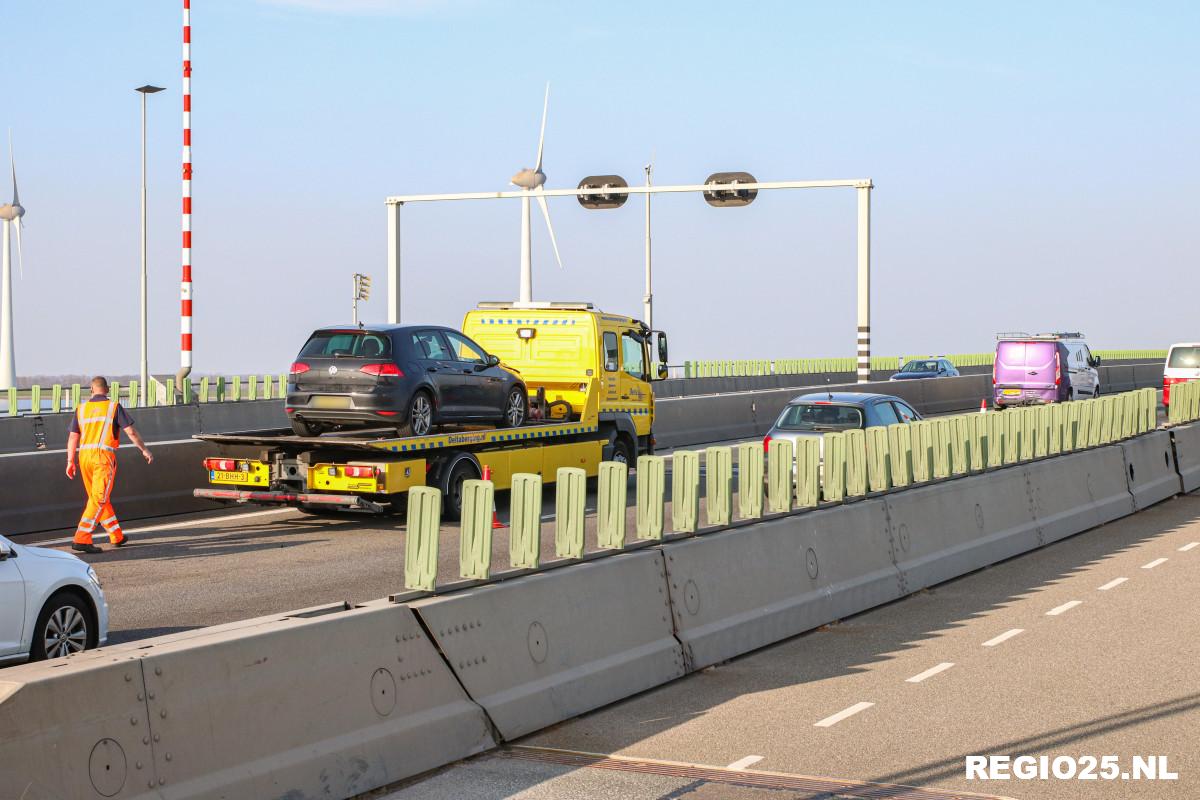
<point x="1065" y="607"/>
<point x="929" y="673"/>
<point x="1188" y="546"/>
<point x="1153" y="563"/>
<point x="829" y="722"/>
<point x="743" y="763"/>
<point x="1004" y="637"/>
<point x="1114" y="583"/>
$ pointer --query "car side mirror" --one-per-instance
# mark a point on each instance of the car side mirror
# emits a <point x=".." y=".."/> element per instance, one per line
<point x="1095" y="361"/>
<point x="493" y="361"/>
<point x="5" y="552"/>
<point x="662" y="372"/>
<point x="662" y="346"/>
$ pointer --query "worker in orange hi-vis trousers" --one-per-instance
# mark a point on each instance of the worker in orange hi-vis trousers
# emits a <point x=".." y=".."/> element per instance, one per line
<point x="94" y="434"/>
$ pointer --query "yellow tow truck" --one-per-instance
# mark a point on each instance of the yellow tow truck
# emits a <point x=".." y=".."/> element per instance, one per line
<point x="589" y="376"/>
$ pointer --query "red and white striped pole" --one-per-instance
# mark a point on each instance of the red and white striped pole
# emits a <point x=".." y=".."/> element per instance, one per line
<point x="185" y="292"/>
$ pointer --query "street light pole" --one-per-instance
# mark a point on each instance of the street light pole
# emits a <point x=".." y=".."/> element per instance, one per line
<point x="648" y="299"/>
<point x="145" y="371"/>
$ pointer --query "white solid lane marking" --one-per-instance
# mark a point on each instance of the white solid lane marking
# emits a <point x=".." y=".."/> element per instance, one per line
<point x="1114" y="583"/>
<point x="1054" y="612"/>
<point x="1188" y="546"/>
<point x="829" y="722"/>
<point x="929" y="673"/>
<point x="1153" y="563"/>
<point x="742" y="763"/>
<point x="1004" y="637"/>
<point x="190" y="524"/>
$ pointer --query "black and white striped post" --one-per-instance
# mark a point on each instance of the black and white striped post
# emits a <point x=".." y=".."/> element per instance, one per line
<point x="864" y="280"/>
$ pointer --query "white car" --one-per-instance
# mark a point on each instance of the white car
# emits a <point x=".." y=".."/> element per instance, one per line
<point x="51" y="604"/>
<point x="1183" y="364"/>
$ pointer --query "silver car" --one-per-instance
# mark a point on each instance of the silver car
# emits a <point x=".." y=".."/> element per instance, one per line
<point x="825" y="412"/>
<point x="51" y="604"/>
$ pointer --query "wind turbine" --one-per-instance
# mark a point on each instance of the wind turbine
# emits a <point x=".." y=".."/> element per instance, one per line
<point x="10" y="214"/>
<point x="532" y="180"/>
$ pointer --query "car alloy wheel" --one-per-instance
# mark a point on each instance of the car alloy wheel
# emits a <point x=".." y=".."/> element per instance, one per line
<point x="65" y="632"/>
<point x="421" y="415"/>
<point x="514" y="414"/>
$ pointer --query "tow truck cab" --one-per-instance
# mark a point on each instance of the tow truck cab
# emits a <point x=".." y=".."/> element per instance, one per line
<point x="558" y="348"/>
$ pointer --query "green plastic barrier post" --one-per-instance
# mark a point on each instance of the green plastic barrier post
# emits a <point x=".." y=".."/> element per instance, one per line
<point x="237" y="389"/>
<point x="56" y="398"/>
<point x="1041" y="431"/>
<point x="204" y="389"/>
<point x="188" y="397"/>
<point x="569" y="499"/>
<point x="685" y="491"/>
<point x="525" y="508"/>
<point x="1095" y="423"/>
<point x="12" y="401"/>
<point x="808" y="472"/>
<point x="900" y="454"/>
<point x="1083" y="423"/>
<point x="878" y="479"/>
<point x="134" y="394"/>
<point x="943" y="432"/>
<point x="977" y="447"/>
<point x="1028" y="422"/>
<point x="651" y="496"/>
<point x="475" y="549"/>
<point x="421" y="539"/>
<point x="612" y="498"/>
<point x="170" y="392"/>
<point x="751" y="475"/>
<point x="35" y="399"/>
<point x="252" y="387"/>
<point x="780" y="458"/>
<point x="997" y="444"/>
<point x="718" y="482"/>
<point x="114" y="390"/>
<point x="960" y="442"/>
<point x="833" y="467"/>
<point x="76" y="390"/>
<point x="855" y="442"/>
<point x="921" y="434"/>
<point x="1055" y="429"/>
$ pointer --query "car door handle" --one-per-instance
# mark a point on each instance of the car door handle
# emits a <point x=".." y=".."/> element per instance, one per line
<point x="431" y="369"/>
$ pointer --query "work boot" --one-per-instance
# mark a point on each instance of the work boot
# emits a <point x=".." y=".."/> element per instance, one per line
<point x="121" y="543"/>
<point x="86" y="548"/>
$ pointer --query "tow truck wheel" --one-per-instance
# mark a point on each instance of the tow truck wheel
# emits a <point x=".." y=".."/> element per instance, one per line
<point x="621" y="452"/>
<point x="452" y="486"/>
<point x="516" y="408"/>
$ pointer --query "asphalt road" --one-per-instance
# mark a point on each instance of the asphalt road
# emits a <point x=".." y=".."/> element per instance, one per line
<point x="1087" y="647"/>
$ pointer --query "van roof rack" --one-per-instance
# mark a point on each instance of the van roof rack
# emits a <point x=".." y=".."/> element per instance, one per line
<point x="1048" y="337"/>
<point x="515" y="304"/>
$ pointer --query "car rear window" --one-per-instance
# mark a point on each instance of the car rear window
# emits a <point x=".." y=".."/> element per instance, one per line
<point x="1184" y="358"/>
<point x="820" y="417"/>
<point x="921" y="366"/>
<point x="347" y="344"/>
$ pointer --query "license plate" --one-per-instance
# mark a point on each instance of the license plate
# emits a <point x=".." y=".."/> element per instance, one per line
<point x="329" y="401"/>
<point x="230" y="477"/>
<point x="1012" y="392"/>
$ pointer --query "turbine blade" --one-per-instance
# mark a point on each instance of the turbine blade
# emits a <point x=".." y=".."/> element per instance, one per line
<point x="541" y="198"/>
<point x="20" y="249"/>
<point x="16" y="201"/>
<point x="542" y="135"/>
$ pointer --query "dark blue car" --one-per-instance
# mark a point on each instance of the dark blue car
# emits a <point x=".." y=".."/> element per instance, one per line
<point x="918" y="368"/>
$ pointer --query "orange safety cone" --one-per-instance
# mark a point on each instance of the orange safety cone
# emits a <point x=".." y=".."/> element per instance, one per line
<point x="496" y="523"/>
<point x="983" y="406"/>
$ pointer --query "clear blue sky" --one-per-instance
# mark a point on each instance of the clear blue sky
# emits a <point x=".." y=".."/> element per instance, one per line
<point x="1035" y="166"/>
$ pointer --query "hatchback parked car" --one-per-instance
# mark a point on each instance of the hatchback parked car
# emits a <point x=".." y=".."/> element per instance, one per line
<point x="407" y="377"/>
<point x="1182" y="364"/>
<point x="823" y="412"/>
<point x="919" y="368"/>
<point x="51" y="604"/>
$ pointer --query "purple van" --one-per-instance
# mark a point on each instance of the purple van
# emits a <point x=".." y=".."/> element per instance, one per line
<point x="1030" y="370"/>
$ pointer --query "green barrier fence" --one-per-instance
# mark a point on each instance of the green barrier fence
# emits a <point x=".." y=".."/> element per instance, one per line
<point x="780" y="459"/>
<point x="570" y="497"/>
<point x="651" y="496"/>
<point x="751" y="475"/>
<point x="718" y="484"/>
<point x="525" y="521"/>
<point x="685" y="491"/>
<point x="421" y="540"/>
<point x="612" y="497"/>
<point x="475" y="550"/>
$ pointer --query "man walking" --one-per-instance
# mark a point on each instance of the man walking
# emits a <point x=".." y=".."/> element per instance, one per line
<point x="95" y="432"/>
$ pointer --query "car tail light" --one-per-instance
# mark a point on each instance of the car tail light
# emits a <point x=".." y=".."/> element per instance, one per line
<point x="223" y="465"/>
<point x="1167" y="384"/>
<point x="362" y="472"/>
<point x="766" y="444"/>
<point x="387" y="413"/>
<point x="299" y="368"/>
<point x="1057" y="369"/>
<point x="993" y="372"/>
<point x="382" y="370"/>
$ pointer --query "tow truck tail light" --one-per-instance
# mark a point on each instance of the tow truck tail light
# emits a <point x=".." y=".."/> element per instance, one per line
<point x="382" y="370"/>
<point x="299" y="368"/>
<point x="362" y="472"/>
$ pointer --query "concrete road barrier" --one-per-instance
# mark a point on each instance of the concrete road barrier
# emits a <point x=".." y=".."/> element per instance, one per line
<point x="1078" y="491"/>
<point x="540" y="649"/>
<point x="947" y="529"/>
<point x="1150" y="464"/>
<point x="1186" y="439"/>
<point x="330" y="705"/>
<point x="746" y="588"/>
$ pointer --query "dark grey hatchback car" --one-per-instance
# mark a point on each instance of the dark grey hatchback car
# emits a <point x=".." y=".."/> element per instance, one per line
<point x="407" y="377"/>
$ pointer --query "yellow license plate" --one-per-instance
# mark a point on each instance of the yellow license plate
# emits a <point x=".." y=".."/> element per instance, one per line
<point x="1012" y="392"/>
<point x="223" y="476"/>
<point x="329" y="401"/>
